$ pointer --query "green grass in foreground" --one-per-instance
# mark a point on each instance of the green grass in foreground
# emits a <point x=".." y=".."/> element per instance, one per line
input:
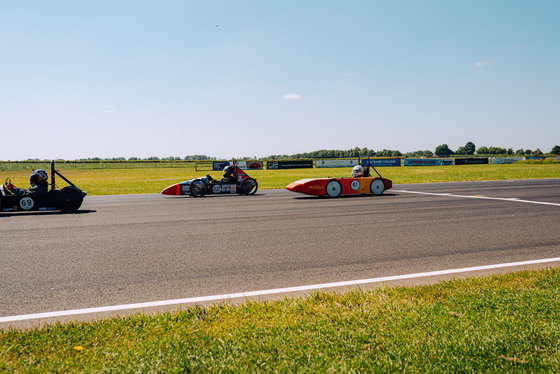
<point x="98" y="180"/>
<point x="505" y="323"/>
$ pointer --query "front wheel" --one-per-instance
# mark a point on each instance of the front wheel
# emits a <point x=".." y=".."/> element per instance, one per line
<point x="249" y="186"/>
<point x="197" y="188"/>
<point x="333" y="188"/>
<point x="377" y="186"/>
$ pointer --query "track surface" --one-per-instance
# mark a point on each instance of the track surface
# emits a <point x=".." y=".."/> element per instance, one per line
<point x="140" y="248"/>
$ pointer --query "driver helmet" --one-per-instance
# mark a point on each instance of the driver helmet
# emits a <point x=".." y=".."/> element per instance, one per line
<point x="358" y="171"/>
<point x="38" y="176"/>
<point x="228" y="171"/>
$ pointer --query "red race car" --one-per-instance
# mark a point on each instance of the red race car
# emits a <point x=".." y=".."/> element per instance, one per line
<point x="361" y="182"/>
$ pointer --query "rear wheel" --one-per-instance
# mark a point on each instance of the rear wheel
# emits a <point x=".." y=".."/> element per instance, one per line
<point x="333" y="188"/>
<point x="68" y="199"/>
<point x="198" y="188"/>
<point x="249" y="186"/>
<point x="377" y="186"/>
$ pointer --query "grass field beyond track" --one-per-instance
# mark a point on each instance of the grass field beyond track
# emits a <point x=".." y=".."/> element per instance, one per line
<point x="506" y="323"/>
<point x="129" y="178"/>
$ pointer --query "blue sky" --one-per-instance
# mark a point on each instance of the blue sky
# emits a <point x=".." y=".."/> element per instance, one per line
<point x="227" y="79"/>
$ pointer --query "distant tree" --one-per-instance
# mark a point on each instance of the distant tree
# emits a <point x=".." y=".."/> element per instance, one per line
<point x="520" y="152"/>
<point x="420" y="154"/>
<point x="497" y="151"/>
<point x="555" y="150"/>
<point x="537" y="152"/>
<point x="510" y="151"/>
<point x="443" y="150"/>
<point x="482" y="151"/>
<point x="470" y="148"/>
<point x="388" y="153"/>
<point x="528" y="152"/>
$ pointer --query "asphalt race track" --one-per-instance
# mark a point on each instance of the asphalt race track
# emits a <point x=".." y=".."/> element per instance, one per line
<point x="140" y="248"/>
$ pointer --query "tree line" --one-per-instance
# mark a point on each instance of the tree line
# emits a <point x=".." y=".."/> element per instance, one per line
<point x="470" y="149"/>
<point x="443" y="150"/>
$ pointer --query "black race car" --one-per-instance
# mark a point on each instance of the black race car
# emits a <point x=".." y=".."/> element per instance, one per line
<point x="239" y="183"/>
<point x="67" y="199"/>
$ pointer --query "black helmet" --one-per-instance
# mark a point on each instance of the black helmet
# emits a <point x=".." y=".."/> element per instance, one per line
<point x="38" y="176"/>
<point x="228" y="171"/>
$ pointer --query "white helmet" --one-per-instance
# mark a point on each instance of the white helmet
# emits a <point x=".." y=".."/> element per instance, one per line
<point x="358" y="171"/>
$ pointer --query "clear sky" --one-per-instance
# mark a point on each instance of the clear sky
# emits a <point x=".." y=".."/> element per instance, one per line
<point x="231" y="78"/>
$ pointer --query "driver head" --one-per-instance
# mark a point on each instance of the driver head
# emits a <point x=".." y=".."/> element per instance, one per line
<point x="38" y="176"/>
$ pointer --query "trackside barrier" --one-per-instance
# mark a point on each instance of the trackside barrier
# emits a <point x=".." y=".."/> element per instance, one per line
<point x="382" y="162"/>
<point x="376" y="162"/>
<point x="243" y="165"/>
<point x="472" y="161"/>
<point x="296" y="164"/>
<point x="422" y="162"/>
<point x="505" y="160"/>
<point x="220" y="165"/>
<point x="250" y="165"/>
<point x="534" y="158"/>
<point x="335" y="163"/>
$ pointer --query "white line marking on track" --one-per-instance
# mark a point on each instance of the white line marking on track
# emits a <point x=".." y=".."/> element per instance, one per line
<point x="267" y="292"/>
<point x="479" y="197"/>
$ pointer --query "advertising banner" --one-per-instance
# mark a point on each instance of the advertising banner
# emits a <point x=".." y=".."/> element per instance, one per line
<point x="295" y="164"/>
<point x="471" y="161"/>
<point x="505" y="160"/>
<point x="250" y="165"/>
<point x="382" y="162"/>
<point x="220" y="165"/>
<point x="446" y="161"/>
<point x="335" y="163"/>
<point x="535" y="158"/>
<point x="422" y="162"/>
<point x="243" y="165"/>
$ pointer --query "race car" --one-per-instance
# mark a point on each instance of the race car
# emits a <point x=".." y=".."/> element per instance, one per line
<point x="237" y="182"/>
<point x="334" y="187"/>
<point x="67" y="199"/>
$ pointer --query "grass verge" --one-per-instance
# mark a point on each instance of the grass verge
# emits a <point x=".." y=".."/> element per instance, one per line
<point x="502" y="323"/>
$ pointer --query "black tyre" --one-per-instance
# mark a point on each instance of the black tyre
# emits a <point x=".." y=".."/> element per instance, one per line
<point x="333" y="188"/>
<point x="377" y="186"/>
<point x="249" y="186"/>
<point x="197" y="188"/>
<point x="69" y="199"/>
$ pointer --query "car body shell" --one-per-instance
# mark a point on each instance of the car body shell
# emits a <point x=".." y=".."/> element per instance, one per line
<point x="213" y="187"/>
<point x="342" y="185"/>
<point x="184" y="188"/>
<point x="68" y="199"/>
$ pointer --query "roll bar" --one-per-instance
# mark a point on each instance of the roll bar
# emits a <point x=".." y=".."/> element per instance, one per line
<point x="55" y="172"/>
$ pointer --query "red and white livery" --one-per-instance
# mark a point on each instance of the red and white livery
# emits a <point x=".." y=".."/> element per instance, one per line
<point x="334" y="187"/>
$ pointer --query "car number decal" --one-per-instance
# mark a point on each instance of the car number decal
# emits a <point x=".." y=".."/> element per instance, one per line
<point x="26" y="203"/>
<point x="216" y="188"/>
<point x="355" y="185"/>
